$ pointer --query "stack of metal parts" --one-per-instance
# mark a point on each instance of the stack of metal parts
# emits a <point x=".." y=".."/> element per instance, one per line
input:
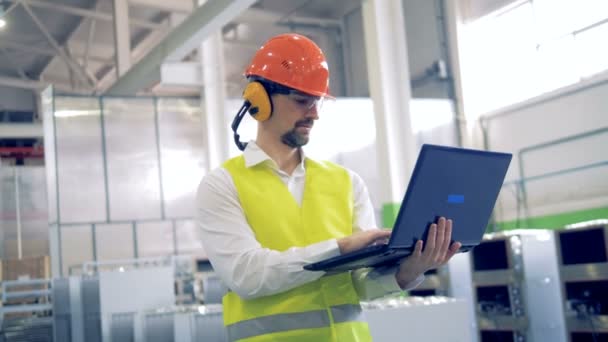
<point x="77" y="316"/>
<point x="76" y="309"/>
<point x="185" y="290"/>
<point x="516" y="287"/>
<point x="33" y="329"/>
<point x="408" y="318"/>
<point x="583" y="267"/>
<point x="25" y="313"/>
<point x="185" y="324"/>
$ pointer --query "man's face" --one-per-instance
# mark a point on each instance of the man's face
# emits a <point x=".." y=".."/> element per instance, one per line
<point x="293" y="117"/>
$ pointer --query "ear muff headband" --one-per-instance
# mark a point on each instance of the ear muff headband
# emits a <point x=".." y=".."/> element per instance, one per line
<point x="261" y="104"/>
<point x="235" y="125"/>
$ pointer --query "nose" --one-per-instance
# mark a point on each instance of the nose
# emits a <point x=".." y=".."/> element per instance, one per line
<point x="312" y="113"/>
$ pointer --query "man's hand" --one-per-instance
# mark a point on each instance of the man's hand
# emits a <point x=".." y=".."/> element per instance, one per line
<point x="362" y="239"/>
<point x="436" y="253"/>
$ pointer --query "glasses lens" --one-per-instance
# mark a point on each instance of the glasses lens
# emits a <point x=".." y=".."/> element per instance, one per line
<point x="307" y="102"/>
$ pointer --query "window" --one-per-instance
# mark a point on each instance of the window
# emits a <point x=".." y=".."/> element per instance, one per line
<point x="532" y="47"/>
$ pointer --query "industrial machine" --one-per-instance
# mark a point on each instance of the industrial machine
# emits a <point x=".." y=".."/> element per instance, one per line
<point x="583" y="267"/>
<point x="517" y="288"/>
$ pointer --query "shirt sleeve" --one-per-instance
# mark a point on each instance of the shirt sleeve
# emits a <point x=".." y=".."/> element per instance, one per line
<point x="237" y="257"/>
<point x="378" y="282"/>
<point x="372" y="283"/>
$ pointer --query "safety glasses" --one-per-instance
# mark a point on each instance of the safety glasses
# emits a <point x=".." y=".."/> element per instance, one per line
<point x="306" y="102"/>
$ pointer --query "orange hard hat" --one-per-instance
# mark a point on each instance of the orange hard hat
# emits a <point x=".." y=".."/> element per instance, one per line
<point x="294" y="61"/>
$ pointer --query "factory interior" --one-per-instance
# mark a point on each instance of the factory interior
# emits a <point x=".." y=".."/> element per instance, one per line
<point x="114" y="114"/>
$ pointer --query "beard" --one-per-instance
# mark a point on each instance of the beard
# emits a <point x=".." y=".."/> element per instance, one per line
<point x="294" y="139"/>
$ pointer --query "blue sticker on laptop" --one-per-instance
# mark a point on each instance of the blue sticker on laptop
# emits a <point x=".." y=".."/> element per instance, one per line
<point x="456" y="199"/>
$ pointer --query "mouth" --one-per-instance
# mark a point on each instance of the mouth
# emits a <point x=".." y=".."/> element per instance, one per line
<point x="304" y="129"/>
<point x="307" y="125"/>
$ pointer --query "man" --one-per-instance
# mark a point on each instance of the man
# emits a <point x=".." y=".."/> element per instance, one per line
<point x="270" y="211"/>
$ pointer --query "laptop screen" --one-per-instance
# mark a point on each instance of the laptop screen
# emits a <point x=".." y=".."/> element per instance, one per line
<point x="459" y="184"/>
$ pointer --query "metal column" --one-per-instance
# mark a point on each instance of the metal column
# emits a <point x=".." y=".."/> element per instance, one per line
<point x="453" y="17"/>
<point x="122" y="36"/>
<point x="18" y="214"/>
<point x="214" y="97"/>
<point x="389" y="82"/>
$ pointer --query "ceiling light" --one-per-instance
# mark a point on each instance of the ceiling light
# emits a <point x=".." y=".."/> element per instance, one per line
<point x="2" y="21"/>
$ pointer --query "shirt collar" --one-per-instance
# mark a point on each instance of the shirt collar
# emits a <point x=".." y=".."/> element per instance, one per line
<point x="254" y="155"/>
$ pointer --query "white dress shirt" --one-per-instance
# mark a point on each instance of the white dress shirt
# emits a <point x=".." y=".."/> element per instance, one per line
<point x="253" y="271"/>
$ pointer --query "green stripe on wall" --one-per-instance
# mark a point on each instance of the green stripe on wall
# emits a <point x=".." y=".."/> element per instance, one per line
<point x="389" y="214"/>
<point x="390" y="211"/>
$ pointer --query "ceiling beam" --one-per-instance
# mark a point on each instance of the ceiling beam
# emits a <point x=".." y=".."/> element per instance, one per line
<point x="206" y="19"/>
<point x="122" y="36"/>
<point x="61" y="83"/>
<point x="68" y="47"/>
<point x="242" y="43"/>
<point x="260" y="16"/>
<point x="87" y="13"/>
<point x="16" y="46"/>
<point x="14" y="64"/>
<point x="11" y="8"/>
<point x="73" y="65"/>
<point x="137" y="53"/>
<point x="178" y="6"/>
<point x="349" y="9"/>
<point x="14" y="82"/>
<point x="87" y="50"/>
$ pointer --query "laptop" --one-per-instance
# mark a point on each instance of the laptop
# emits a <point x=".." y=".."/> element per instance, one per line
<point x="456" y="183"/>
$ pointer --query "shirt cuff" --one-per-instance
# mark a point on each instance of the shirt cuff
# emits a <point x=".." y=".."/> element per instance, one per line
<point x="316" y="252"/>
<point x="378" y="282"/>
<point x="323" y="250"/>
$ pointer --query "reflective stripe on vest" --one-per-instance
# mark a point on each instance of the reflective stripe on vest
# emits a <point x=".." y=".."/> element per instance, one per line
<point x="293" y="321"/>
<point x="347" y="313"/>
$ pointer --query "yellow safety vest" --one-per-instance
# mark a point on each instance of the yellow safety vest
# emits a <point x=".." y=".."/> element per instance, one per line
<point x="324" y="310"/>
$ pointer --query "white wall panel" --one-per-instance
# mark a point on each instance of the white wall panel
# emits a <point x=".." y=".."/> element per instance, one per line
<point x="79" y="160"/>
<point x="76" y="245"/>
<point x="114" y="241"/>
<point x="132" y="159"/>
<point x="154" y="239"/>
<point x="182" y="155"/>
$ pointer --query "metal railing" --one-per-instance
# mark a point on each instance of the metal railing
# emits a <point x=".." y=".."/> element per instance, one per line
<point x="15" y="300"/>
<point x="520" y="184"/>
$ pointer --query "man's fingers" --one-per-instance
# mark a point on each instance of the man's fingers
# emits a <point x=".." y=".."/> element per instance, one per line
<point x="430" y="240"/>
<point x="453" y="250"/>
<point x="377" y="235"/>
<point x="447" y="238"/>
<point x="439" y="253"/>
<point x="418" y="248"/>
<point x="361" y="239"/>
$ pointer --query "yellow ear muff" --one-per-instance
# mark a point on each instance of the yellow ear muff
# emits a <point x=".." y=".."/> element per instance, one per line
<point x="261" y="105"/>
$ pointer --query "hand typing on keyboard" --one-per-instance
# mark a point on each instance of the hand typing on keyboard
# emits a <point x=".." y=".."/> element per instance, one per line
<point x="362" y="239"/>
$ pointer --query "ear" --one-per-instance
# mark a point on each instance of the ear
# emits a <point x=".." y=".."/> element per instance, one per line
<point x="261" y="104"/>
